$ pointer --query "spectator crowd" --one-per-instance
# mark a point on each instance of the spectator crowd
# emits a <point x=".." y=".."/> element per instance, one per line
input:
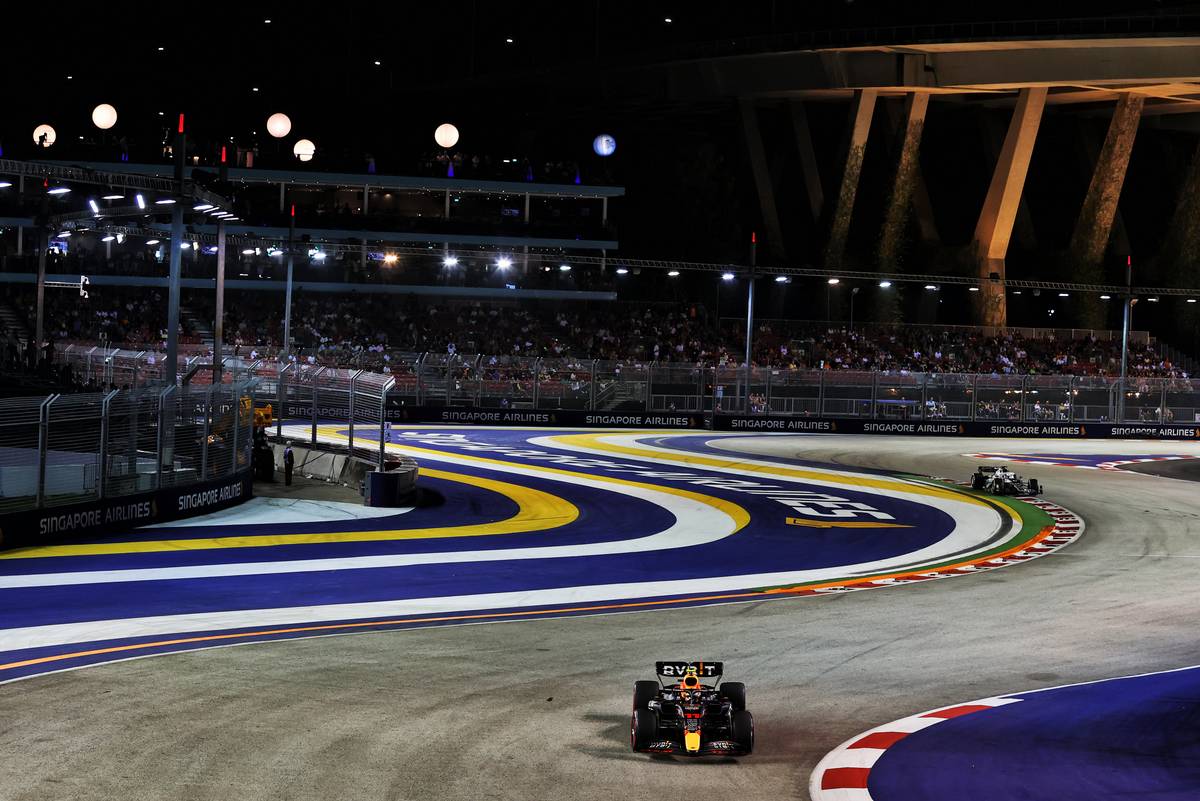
<point x="351" y="328"/>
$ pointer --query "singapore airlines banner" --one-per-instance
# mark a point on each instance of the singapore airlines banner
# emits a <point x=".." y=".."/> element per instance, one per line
<point x="110" y="515"/>
<point x="399" y="413"/>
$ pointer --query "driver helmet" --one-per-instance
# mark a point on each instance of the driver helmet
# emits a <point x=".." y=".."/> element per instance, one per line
<point x="689" y="683"/>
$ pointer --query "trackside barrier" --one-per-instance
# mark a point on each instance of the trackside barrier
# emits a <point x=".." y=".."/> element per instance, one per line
<point x="112" y="515"/>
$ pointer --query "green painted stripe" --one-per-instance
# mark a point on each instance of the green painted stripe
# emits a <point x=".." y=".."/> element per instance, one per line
<point x="1033" y="520"/>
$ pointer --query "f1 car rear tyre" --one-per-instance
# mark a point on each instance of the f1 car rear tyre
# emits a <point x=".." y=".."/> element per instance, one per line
<point x="1034" y="487"/>
<point x="735" y="693"/>
<point x="743" y="730"/>
<point x="643" y="729"/>
<point x="643" y="693"/>
<point x="977" y="481"/>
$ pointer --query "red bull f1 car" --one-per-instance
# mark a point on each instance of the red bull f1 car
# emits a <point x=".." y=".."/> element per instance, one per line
<point x="681" y="714"/>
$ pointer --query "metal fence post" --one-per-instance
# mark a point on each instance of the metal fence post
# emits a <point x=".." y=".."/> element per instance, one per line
<point x="420" y="365"/>
<point x="537" y="381"/>
<point x="236" y="396"/>
<point x="391" y="382"/>
<point x="649" y="384"/>
<point x="821" y="393"/>
<point x="478" y="381"/>
<point x="974" y="396"/>
<point x="592" y="387"/>
<point x="104" y="429"/>
<point x="1024" y="392"/>
<point x="43" y="446"/>
<point x="874" y="394"/>
<point x="158" y="440"/>
<point x="924" y="395"/>
<point x="315" y="395"/>
<point x="282" y="392"/>
<point x="353" y="380"/>
<point x="208" y="413"/>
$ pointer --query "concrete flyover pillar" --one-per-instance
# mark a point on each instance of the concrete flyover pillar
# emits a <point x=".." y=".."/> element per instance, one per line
<point x="995" y="225"/>
<point x="862" y="111"/>
<point x="904" y="182"/>
<point x="1094" y="225"/>
<point x="762" y="177"/>
<point x="993" y="134"/>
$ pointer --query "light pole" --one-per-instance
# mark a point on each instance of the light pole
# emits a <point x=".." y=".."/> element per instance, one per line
<point x="171" y="368"/>
<point x="219" y="314"/>
<point x="829" y="285"/>
<point x="853" y="292"/>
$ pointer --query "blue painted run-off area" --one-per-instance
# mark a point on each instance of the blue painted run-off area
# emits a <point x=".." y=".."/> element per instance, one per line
<point x="1130" y="738"/>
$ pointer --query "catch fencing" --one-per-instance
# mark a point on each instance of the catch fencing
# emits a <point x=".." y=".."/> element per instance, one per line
<point x="367" y="394"/>
<point x="62" y="450"/>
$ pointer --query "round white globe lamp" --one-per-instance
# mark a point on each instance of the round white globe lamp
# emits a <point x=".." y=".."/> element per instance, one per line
<point x="604" y="145"/>
<point x="44" y="136"/>
<point x="105" y="116"/>
<point x="304" y="149"/>
<point x="278" y="125"/>
<point x="446" y="135"/>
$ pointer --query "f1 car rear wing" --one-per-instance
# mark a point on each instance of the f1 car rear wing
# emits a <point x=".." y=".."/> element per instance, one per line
<point x="677" y="670"/>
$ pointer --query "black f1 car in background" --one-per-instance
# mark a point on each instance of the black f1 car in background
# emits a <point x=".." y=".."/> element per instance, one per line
<point x="679" y="714"/>
<point x="1002" y="481"/>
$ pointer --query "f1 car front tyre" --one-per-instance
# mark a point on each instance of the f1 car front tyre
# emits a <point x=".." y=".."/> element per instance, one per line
<point x="735" y="694"/>
<point x="743" y="730"/>
<point x="643" y="693"/>
<point x="643" y="729"/>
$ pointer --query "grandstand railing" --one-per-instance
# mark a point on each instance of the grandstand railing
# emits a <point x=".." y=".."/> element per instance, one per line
<point x="65" y="449"/>
<point x="375" y="382"/>
<point x="1027" y="332"/>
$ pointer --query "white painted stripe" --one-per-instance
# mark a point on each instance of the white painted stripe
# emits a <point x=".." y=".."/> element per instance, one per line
<point x="844" y="755"/>
<point x="696" y="523"/>
<point x="97" y="630"/>
<point x="906" y="725"/>
<point x="975" y="525"/>
<point x="855" y="758"/>
<point x="273" y="511"/>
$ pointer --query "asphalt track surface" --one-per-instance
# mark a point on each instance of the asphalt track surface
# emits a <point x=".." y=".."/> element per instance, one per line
<point x="539" y="708"/>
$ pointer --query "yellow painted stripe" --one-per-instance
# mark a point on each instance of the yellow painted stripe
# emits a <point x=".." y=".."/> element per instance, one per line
<point x="740" y="516"/>
<point x="596" y="442"/>
<point x="536" y="511"/>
